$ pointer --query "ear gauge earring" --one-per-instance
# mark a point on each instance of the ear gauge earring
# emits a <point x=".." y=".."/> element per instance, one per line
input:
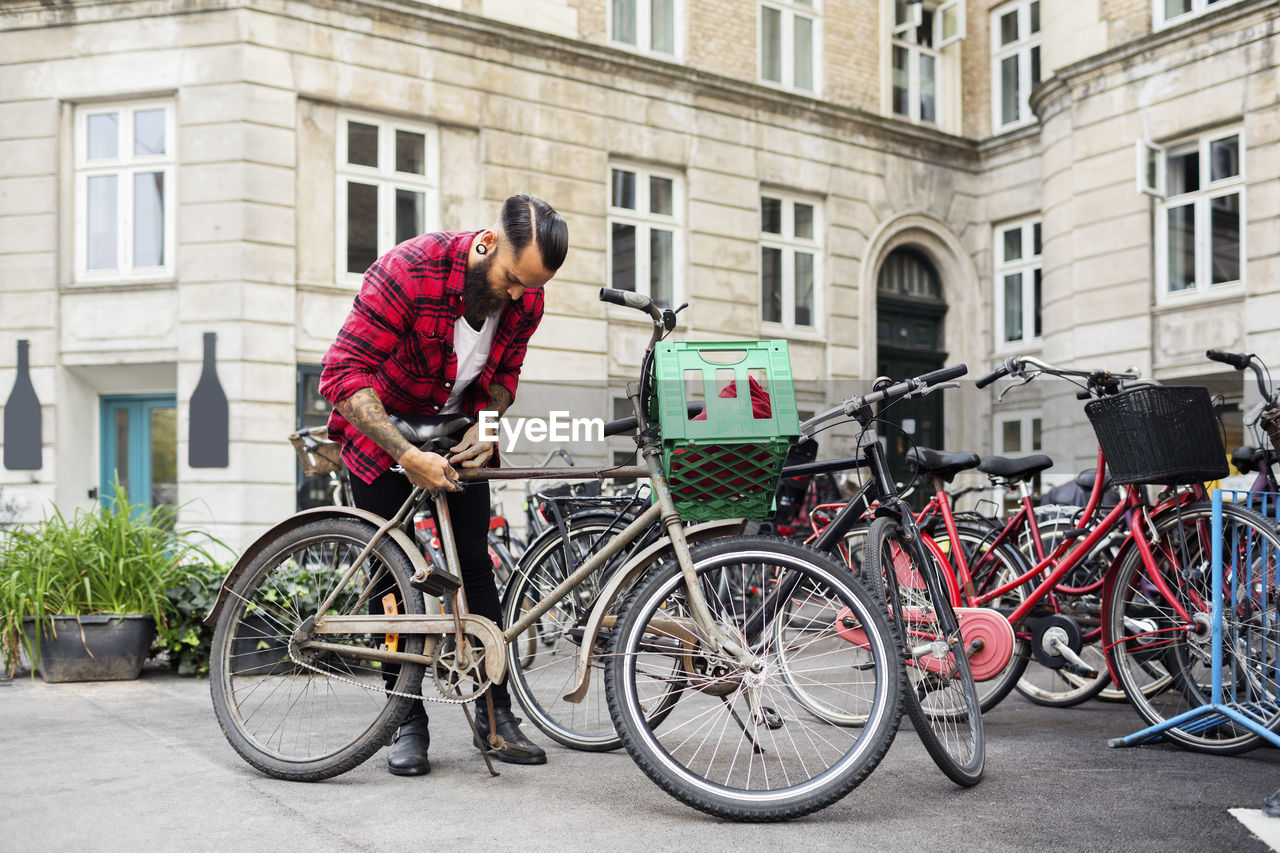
<point x="481" y="249"/>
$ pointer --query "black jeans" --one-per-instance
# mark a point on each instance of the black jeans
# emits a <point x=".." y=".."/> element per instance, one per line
<point x="469" y="511"/>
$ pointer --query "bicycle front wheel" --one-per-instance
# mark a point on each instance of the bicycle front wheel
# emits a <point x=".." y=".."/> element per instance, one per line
<point x="1144" y="629"/>
<point x="295" y="712"/>
<point x="939" y="695"/>
<point x="738" y="744"/>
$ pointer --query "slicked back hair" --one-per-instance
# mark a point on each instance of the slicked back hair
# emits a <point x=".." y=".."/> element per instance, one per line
<point x="526" y="218"/>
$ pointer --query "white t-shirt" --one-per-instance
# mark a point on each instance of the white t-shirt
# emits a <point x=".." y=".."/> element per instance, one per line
<point x="471" y="346"/>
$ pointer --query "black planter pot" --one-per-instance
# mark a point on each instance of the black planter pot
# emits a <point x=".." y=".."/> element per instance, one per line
<point x="91" y="648"/>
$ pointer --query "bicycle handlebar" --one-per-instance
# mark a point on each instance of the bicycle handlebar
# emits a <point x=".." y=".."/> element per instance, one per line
<point x="1238" y="360"/>
<point x="917" y="386"/>
<point x="1097" y="380"/>
<point x="629" y="298"/>
<point x="1241" y="360"/>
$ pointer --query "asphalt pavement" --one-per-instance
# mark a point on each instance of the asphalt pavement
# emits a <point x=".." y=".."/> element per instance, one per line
<point x="142" y="765"/>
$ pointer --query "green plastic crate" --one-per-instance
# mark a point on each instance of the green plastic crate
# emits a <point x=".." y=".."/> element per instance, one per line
<point x="726" y="465"/>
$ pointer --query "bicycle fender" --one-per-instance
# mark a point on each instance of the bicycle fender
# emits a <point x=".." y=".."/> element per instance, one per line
<point x="397" y="536"/>
<point x="634" y="568"/>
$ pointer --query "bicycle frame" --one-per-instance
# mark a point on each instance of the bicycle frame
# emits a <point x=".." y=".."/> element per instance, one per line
<point x="460" y="623"/>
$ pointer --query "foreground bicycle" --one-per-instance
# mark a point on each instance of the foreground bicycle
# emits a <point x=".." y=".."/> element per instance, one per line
<point x="695" y="682"/>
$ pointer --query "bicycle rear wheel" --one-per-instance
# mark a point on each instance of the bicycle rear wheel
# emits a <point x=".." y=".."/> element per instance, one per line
<point x="939" y="694"/>
<point x="301" y="714"/>
<point x="738" y="745"/>
<point x="1143" y="627"/>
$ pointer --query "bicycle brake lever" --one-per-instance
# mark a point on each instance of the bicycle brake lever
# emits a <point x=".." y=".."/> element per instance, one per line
<point x="1026" y="379"/>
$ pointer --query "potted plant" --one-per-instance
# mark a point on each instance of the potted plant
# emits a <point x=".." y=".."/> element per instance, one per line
<point x="83" y="595"/>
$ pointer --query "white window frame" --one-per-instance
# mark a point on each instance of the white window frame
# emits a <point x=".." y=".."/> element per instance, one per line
<point x="1198" y="8"/>
<point x="644" y="30"/>
<point x="1026" y="265"/>
<point x="1021" y="48"/>
<point x="387" y="180"/>
<point x="790" y="10"/>
<point x="124" y="166"/>
<point x="1201" y="199"/>
<point x="789" y="244"/>
<point x="1025" y="419"/>
<point x="898" y="33"/>
<point x="644" y="220"/>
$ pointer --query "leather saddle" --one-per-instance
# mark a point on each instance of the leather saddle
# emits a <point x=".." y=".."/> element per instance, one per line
<point x="432" y="433"/>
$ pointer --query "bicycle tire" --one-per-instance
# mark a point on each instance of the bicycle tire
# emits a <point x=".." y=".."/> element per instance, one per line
<point x="1142" y="625"/>
<point x="268" y="604"/>
<point x="939" y="695"/>
<point x="701" y="756"/>
<point x="543" y="664"/>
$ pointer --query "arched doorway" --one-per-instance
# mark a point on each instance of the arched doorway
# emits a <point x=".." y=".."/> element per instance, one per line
<point x="909" y="341"/>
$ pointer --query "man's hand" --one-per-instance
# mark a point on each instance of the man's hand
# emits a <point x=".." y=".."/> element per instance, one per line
<point x="429" y="470"/>
<point x="472" y="451"/>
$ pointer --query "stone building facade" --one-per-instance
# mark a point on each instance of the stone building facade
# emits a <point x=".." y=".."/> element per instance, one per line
<point x="851" y="175"/>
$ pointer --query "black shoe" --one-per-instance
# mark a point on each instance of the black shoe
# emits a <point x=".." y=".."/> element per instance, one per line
<point x="516" y="748"/>
<point x="409" y="749"/>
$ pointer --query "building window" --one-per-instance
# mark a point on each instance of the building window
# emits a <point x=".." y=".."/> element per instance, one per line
<point x="124" y="191"/>
<point x="387" y="189"/>
<point x="1169" y="12"/>
<point x="646" y="227"/>
<point x="1015" y="62"/>
<point x="1017" y="283"/>
<point x="790" y="260"/>
<point x="1200" y="214"/>
<point x="648" y="26"/>
<point x="790" y="43"/>
<point x="920" y="31"/>
<point x="1017" y="433"/>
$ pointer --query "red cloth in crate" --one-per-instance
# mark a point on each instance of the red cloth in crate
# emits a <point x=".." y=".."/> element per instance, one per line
<point x="715" y="464"/>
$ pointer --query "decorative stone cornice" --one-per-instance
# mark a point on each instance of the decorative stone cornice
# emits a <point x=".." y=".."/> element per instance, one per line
<point x="1044" y="98"/>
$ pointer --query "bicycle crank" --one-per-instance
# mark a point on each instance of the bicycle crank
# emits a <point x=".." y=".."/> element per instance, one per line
<point x="1056" y="642"/>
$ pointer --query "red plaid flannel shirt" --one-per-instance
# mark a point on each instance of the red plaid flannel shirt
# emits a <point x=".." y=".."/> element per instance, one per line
<point x="398" y="340"/>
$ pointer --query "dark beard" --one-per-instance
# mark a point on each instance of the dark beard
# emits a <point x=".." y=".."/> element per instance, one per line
<point x="478" y="296"/>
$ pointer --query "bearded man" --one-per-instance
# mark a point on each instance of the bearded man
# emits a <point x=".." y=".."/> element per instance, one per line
<point x="440" y="327"/>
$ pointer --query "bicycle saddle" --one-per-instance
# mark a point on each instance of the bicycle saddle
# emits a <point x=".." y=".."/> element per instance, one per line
<point x="432" y="433"/>
<point x="938" y="464"/>
<point x="1085" y="479"/>
<point x="1250" y="459"/>
<point x="1020" y="468"/>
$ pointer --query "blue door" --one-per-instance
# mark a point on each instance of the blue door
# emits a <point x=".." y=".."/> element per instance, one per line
<point x="140" y="447"/>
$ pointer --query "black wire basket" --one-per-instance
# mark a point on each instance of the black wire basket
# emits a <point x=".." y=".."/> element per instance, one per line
<point x="1166" y="435"/>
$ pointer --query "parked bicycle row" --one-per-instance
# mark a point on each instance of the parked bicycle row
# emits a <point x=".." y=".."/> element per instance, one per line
<point x="754" y="676"/>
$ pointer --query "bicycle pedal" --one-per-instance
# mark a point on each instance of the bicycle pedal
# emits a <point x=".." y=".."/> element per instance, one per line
<point x="772" y="719"/>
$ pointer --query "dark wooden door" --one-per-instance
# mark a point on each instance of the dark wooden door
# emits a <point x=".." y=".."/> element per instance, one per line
<point x="909" y="341"/>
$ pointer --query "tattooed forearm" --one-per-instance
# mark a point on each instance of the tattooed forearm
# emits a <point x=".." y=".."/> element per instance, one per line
<point x="364" y="410"/>
<point x="500" y="398"/>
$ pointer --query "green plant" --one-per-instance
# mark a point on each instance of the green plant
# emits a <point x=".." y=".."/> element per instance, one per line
<point x="120" y="558"/>
<point x="185" y="637"/>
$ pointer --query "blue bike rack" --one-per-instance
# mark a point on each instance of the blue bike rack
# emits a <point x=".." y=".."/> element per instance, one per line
<point x="1227" y="703"/>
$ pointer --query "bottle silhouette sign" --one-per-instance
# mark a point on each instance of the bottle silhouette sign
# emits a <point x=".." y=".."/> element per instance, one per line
<point x="22" y="419"/>
<point x="207" y="437"/>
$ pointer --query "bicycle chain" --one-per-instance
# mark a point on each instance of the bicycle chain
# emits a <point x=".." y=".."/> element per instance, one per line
<point x="442" y="700"/>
